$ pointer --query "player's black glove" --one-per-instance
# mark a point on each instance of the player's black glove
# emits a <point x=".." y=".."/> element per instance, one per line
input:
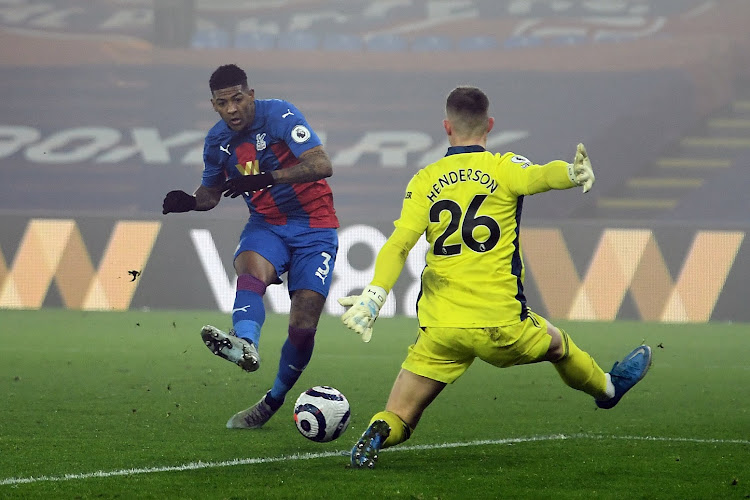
<point x="178" y="201"/>
<point x="247" y="184"/>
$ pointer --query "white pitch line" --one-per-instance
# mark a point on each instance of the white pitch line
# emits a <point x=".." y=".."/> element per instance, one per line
<point x="310" y="456"/>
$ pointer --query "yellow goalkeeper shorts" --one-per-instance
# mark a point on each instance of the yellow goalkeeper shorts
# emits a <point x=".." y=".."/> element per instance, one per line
<point x="444" y="354"/>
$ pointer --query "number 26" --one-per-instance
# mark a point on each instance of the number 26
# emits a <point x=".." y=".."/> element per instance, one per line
<point x="467" y="223"/>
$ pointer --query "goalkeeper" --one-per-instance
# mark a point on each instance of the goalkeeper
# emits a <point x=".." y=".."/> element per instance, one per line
<point x="472" y="303"/>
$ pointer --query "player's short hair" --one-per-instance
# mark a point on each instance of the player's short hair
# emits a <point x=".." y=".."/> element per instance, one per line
<point x="228" y="75"/>
<point x="467" y="108"/>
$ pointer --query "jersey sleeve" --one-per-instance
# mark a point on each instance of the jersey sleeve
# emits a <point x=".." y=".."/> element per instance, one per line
<point x="392" y="257"/>
<point x="524" y="177"/>
<point x="415" y="207"/>
<point x="292" y="127"/>
<point x="213" y="171"/>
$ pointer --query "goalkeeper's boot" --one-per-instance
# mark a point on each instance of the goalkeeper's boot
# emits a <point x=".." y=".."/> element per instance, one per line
<point x="231" y="347"/>
<point x="254" y="417"/>
<point x="626" y="373"/>
<point x="365" y="452"/>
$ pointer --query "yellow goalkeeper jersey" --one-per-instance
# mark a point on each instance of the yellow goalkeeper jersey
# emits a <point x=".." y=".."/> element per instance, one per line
<point x="469" y="204"/>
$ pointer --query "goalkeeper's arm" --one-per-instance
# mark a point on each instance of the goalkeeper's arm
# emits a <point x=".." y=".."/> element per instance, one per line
<point x="392" y="257"/>
<point x="559" y="174"/>
<point x="364" y="309"/>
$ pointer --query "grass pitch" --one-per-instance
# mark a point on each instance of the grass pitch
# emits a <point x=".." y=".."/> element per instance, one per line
<point x="132" y="405"/>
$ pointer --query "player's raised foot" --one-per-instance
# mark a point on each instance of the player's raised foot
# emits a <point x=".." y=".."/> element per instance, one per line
<point x="365" y="452"/>
<point x="254" y="417"/>
<point x="626" y="373"/>
<point x="231" y="347"/>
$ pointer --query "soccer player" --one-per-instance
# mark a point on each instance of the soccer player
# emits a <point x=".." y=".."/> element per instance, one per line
<point x="472" y="304"/>
<point x="265" y="151"/>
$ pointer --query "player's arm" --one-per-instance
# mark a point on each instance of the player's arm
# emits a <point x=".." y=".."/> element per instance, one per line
<point x="306" y="146"/>
<point x="205" y="198"/>
<point x="364" y="309"/>
<point x="392" y="256"/>
<point x="556" y="174"/>
<point x="540" y="178"/>
<point x="313" y="165"/>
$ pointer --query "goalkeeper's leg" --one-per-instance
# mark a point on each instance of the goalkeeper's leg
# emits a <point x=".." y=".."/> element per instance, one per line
<point x="410" y="396"/>
<point x="576" y="367"/>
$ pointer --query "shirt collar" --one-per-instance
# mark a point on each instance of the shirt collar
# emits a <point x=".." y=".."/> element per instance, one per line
<point x="455" y="150"/>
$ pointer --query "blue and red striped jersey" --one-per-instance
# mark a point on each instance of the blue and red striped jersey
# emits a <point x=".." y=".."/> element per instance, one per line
<point x="277" y="136"/>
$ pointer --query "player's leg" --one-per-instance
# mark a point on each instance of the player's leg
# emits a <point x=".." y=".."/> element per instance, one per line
<point x="534" y="340"/>
<point x="410" y="396"/>
<point x="296" y="353"/>
<point x="579" y="370"/>
<point x="313" y="255"/>
<point x="254" y="274"/>
<point x="240" y="344"/>
<point x="438" y="357"/>
<point x="309" y="255"/>
<point x="305" y="311"/>
<point x="259" y="259"/>
<point x="576" y="367"/>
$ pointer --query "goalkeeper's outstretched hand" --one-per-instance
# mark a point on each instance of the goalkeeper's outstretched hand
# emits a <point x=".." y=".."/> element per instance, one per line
<point x="580" y="171"/>
<point x="363" y="310"/>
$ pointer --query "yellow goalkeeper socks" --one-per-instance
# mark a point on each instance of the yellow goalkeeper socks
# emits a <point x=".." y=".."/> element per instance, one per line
<point x="579" y="370"/>
<point x="400" y="430"/>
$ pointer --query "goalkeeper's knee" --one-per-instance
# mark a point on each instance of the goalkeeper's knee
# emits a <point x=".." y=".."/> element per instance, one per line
<point x="400" y="430"/>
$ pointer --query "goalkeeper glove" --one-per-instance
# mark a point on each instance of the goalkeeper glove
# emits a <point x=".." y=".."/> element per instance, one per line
<point x="247" y="184"/>
<point x="178" y="201"/>
<point x="580" y="171"/>
<point x="364" y="310"/>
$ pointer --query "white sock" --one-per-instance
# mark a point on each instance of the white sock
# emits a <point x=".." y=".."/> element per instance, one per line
<point x="610" y="386"/>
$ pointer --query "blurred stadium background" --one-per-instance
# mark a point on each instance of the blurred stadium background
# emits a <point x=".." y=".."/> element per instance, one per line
<point x="106" y="103"/>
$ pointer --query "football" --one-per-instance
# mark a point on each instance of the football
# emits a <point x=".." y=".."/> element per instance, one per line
<point x="321" y="413"/>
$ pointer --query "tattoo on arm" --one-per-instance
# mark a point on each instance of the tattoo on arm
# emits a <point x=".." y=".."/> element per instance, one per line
<point x="206" y="198"/>
<point x="314" y="165"/>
